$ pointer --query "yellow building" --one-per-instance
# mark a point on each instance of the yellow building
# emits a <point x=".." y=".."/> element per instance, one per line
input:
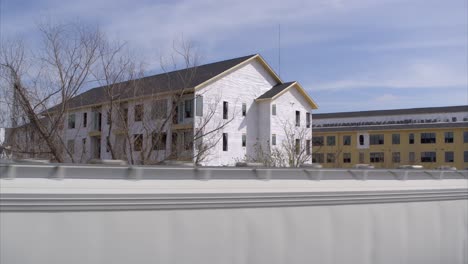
<point x="431" y="137"/>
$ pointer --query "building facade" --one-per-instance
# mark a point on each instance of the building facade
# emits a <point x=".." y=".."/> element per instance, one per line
<point x="431" y="137"/>
<point x="215" y="114"/>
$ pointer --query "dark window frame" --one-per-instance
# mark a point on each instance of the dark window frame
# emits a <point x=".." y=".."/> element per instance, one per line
<point x="331" y="142"/>
<point x="71" y="121"/>
<point x="448" y="137"/>
<point x="346" y="140"/>
<point x="138" y="112"/>
<point x="137" y="142"/>
<point x="318" y="141"/>
<point x="428" y="138"/>
<point x="225" y="109"/>
<point x="347" y="157"/>
<point x="225" y="142"/>
<point x="376" y="139"/>
<point x="449" y="156"/>
<point x="428" y="156"/>
<point x="376" y="157"/>
<point x="298" y="118"/>
<point x="85" y="119"/>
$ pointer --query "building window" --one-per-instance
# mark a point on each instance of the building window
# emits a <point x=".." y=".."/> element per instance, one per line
<point x="138" y="112"/>
<point x="83" y="145"/>
<point x="125" y="116"/>
<point x="308" y="147"/>
<point x="428" y="138"/>
<point x="376" y="157"/>
<point x="377" y="139"/>
<point x="396" y="139"/>
<point x="180" y="112"/>
<point x="317" y="141"/>
<point x="188" y="108"/>
<point x="97" y="119"/>
<point x="85" y="119"/>
<point x="465" y="137"/>
<point x="159" y="109"/>
<point x="361" y="157"/>
<point x="109" y="117"/>
<point x="449" y="157"/>
<point x="273" y="139"/>
<point x="465" y="156"/>
<point x="411" y="138"/>
<point x="346" y="157"/>
<point x="412" y="157"/>
<point x="330" y="157"/>
<point x="346" y="140"/>
<point x="225" y="142"/>
<point x="396" y="157"/>
<point x="108" y="144"/>
<point x="188" y="140"/>
<point x="298" y="146"/>
<point x="448" y="137"/>
<point x="199" y="105"/>
<point x="159" y="141"/>
<point x="137" y="142"/>
<point x="308" y="120"/>
<point x="71" y="121"/>
<point x="317" y="158"/>
<point x="428" y="156"/>
<point x="71" y="146"/>
<point x="244" y="109"/>
<point x="225" y="110"/>
<point x="298" y="118"/>
<point x="331" y="141"/>
<point x="273" y="109"/>
<point x="244" y="140"/>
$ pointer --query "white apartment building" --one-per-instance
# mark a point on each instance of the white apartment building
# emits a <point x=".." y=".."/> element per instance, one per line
<point x="229" y="109"/>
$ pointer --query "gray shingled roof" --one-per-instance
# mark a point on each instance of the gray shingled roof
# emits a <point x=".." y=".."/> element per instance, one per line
<point x="164" y="82"/>
<point x="425" y="110"/>
<point x="275" y="90"/>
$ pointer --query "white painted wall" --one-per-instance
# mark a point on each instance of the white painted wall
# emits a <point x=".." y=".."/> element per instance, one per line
<point x="243" y="85"/>
<point x="286" y="106"/>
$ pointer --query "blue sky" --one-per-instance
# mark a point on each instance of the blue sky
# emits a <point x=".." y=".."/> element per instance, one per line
<point x="349" y="54"/>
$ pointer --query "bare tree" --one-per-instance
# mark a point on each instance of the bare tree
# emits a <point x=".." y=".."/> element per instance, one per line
<point x="44" y="86"/>
<point x="157" y="109"/>
<point x="53" y="76"/>
<point x="294" y="149"/>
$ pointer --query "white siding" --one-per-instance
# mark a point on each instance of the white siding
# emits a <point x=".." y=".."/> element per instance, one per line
<point x="286" y="106"/>
<point x="243" y="85"/>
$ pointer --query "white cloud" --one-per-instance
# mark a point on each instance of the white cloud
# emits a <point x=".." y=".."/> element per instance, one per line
<point x="386" y="98"/>
<point x="412" y="75"/>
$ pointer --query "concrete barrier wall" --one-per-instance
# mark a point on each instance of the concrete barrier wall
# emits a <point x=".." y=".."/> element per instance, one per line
<point x="234" y="221"/>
